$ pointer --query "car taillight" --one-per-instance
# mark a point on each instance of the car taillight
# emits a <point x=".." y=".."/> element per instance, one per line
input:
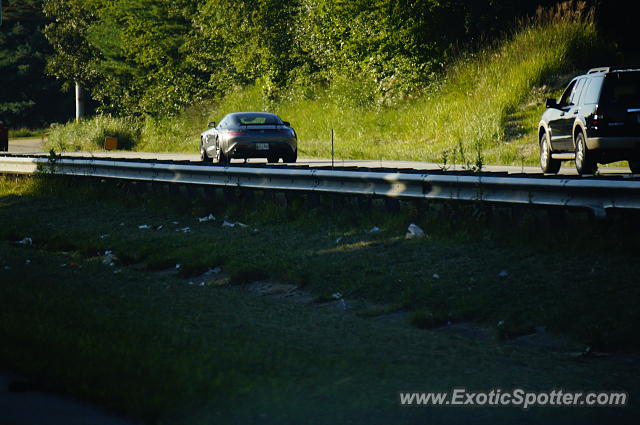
<point x="235" y="133"/>
<point x="597" y="117"/>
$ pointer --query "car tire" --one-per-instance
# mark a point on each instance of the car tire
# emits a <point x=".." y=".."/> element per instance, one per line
<point x="547" y="163"/>
<point x="292" y="157"/>
<point x="272" y="159"/>
<point x="221" y="158"/>
<point x="634" y="165"/>
<point x="585" y="159"/>
<point x="203" y="154"/>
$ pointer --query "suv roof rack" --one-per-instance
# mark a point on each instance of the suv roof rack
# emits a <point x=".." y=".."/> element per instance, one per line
<point x="601" y="69"/>
<point x="613" y="69"/>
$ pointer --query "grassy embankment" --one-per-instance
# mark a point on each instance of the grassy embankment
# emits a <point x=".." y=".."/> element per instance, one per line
<point x="24" y="132"/>
<point x="488" y="102"/>
<point x="138" y="337"/>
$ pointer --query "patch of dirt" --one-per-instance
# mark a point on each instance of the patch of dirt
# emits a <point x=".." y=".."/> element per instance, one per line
<point x="287" y="292"/>
<point x="279" y="291"/>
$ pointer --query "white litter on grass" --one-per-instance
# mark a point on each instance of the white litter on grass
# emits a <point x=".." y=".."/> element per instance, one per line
<point x="344" y="305"/>
<point x="414" y="231"/>
<point x="106" y="235"/>
<point x="374" y="229"/>
<point x="186" y="229"/>
<point x="226" y="223"/>
<point x="178" y="265"/>
<point x="339" y="239"/>
<point x="503" y="273"/>
<point x="207" y="218"/>
<point x="436" y="276"/>
<point x="144" y="226"/>
<point x="108" y="259"/>
<point x="26" y="241"/>
<point x="175" y="222"/>
<point x="336" y="295"/>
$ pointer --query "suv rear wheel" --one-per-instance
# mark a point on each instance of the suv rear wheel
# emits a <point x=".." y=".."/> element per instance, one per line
<point x="547" y="163"/>
<point x="585" y="159"/>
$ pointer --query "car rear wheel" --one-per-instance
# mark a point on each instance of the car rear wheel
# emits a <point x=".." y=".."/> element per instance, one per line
<point x="585" y="159"/>
<point x="203" y="154"/>
<point x="221" y="158"/>
<point x="547" y="163"/>
<point x="291" y="157"/>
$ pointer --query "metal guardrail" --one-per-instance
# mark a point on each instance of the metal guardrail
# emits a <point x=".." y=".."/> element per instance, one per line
<point x="593" y="194"/>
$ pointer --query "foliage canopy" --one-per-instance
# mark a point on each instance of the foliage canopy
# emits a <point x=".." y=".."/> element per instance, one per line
<point x="153" y="57"/>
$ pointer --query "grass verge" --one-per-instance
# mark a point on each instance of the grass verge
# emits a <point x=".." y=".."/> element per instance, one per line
<point x="24" y="132"/>
<point x="157" y="348"/>
<point x="467" y="269"/>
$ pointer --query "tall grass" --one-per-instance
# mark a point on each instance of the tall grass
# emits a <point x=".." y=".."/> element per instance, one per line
<point x="90" y="134"/>
<point x="23" y="132"/>
<point x="465" y="116"/>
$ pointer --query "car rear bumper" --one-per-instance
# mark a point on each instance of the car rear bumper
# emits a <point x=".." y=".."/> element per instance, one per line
<point x="626" y="143"/>
<point x="249" y="149"/>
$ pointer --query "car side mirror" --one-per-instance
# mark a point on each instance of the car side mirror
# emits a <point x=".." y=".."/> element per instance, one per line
<point x="212" y="124"/>
<point x="551" y="103"/>
<point x="286" y="123"/>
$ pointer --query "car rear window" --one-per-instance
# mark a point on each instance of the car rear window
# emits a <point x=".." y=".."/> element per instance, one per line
<point x="257" y="119"/>
<point x="621" y="87"/>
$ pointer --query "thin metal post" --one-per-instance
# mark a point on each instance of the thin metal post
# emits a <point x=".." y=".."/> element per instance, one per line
<point x="332" y="151"/>
<point x="79" y="102"/>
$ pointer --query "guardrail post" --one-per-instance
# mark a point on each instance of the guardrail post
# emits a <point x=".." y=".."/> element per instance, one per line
<point x="210" y="194"/>
<point x="391" y="205"/>
<point x="314" y="199"/>
<point x="364" y="202"/>
<point x="229" y="194"/>
<point x="557" y="217"/>
<point x="174" y="189"/>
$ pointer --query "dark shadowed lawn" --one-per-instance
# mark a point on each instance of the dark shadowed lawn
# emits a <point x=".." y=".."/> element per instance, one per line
<point x="144" y="332"/>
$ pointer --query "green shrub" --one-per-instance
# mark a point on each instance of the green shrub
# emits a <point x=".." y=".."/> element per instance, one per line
<point x="89" y="134"/>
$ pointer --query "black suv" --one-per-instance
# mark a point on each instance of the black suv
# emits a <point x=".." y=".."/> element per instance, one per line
<point x="596" y="120"/>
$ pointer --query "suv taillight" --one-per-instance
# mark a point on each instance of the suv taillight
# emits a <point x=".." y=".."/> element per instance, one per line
<point x="597" y="117"/>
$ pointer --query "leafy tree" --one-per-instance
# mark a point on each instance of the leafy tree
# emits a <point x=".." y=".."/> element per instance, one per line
<point x="155" y="56"/>
<point x="27" y="96"/>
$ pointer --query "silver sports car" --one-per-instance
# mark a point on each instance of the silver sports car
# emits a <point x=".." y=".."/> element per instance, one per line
<point x="249" y="135"/>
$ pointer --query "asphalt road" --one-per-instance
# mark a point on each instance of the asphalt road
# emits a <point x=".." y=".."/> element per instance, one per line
<point x="28" y="407"/>
<point x="35" y="146"/>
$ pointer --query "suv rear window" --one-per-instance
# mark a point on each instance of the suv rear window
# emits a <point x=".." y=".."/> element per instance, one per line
<point x="621" y="87"/>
